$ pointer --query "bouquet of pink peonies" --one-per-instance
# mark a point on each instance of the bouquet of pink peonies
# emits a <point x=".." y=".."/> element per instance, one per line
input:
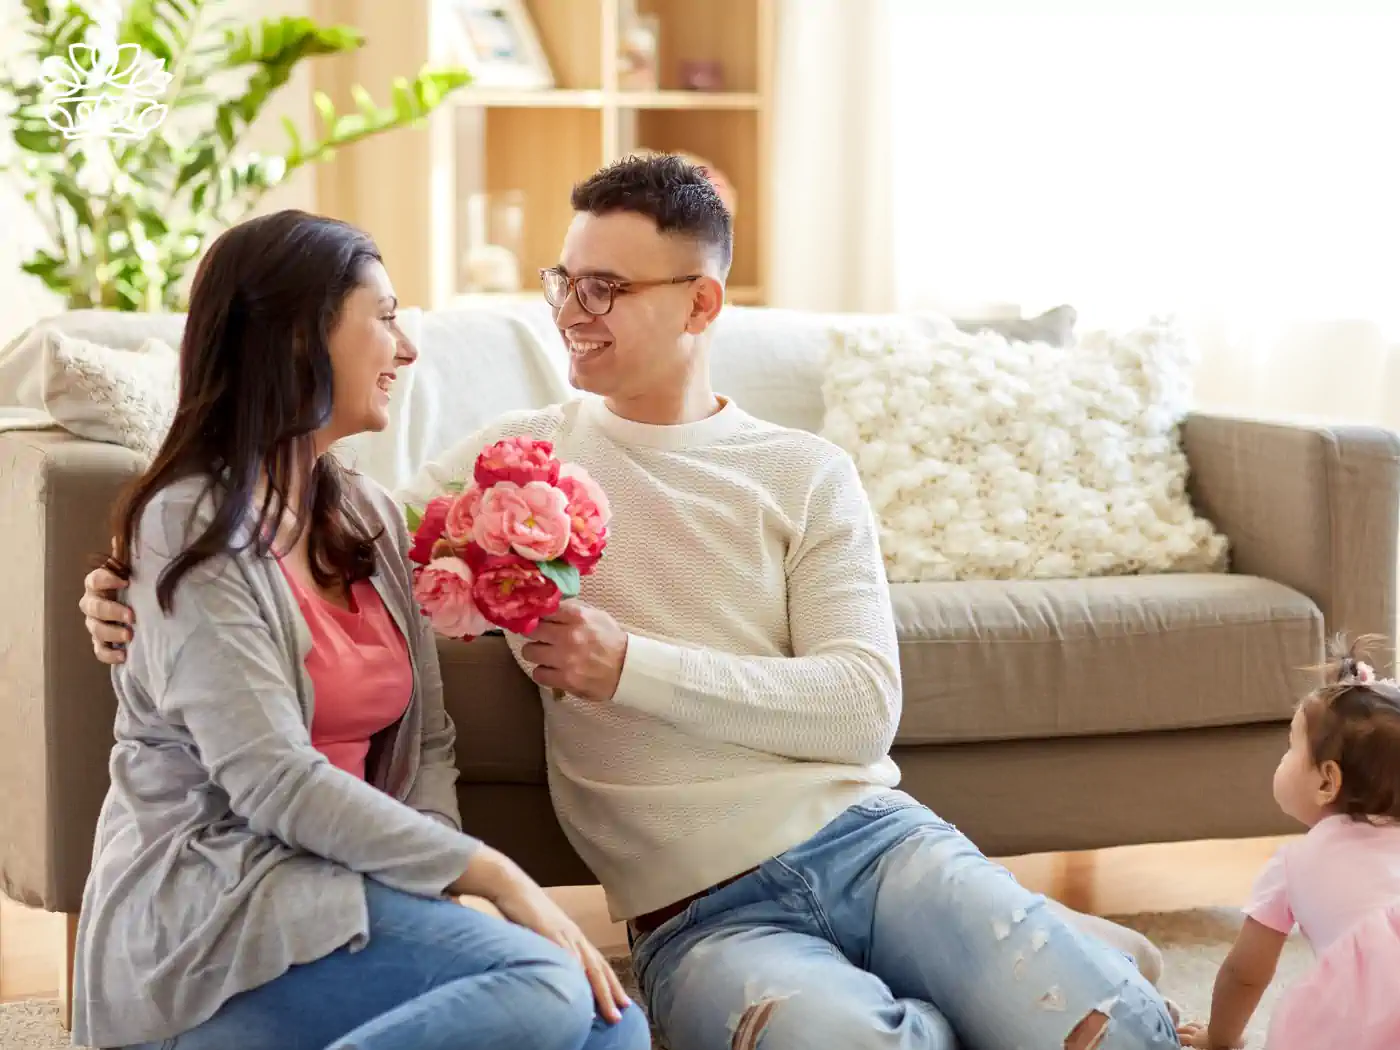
<point x="505" y="549"/>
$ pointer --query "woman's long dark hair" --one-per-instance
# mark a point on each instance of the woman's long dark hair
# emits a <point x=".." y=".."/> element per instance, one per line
<point x="255" y="385"/>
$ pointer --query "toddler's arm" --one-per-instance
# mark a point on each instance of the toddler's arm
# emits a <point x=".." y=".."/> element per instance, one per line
<point x="1247" y="971"/>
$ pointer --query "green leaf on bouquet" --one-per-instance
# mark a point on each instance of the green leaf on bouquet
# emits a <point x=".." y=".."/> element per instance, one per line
<point x="414" y="517"/>
<point x="564" y="575"/>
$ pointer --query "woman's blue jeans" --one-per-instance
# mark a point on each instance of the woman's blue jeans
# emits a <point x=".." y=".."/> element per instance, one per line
<point x="434" y="976"/>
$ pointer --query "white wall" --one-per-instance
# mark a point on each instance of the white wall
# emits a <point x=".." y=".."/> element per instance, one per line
<point x="1237" y="170"/>
<point x="24" y="299"/>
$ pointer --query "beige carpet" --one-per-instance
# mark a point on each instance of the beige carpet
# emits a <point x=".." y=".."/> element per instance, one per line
<point x="1193" y="943"/>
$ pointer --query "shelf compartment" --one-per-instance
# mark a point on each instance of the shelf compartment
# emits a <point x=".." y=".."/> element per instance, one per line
<point x="706" y="30"/>
<point x="536" y="154"/>
<point x="729" y="141"/>
<point x="571" y="34"/>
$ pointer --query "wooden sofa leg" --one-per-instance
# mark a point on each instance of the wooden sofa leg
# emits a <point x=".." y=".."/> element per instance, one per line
<point x="68" y="952"/>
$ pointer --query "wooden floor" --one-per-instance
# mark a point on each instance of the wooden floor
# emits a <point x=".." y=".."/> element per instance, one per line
<point x="1107" y="882"/>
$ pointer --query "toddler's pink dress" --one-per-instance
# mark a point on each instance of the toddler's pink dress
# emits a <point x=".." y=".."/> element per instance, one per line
<point x="1340" y="883"/>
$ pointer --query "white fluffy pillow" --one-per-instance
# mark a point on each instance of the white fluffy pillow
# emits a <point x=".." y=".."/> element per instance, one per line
<point x="122" y="397"/>
<point x="986" y="459"/>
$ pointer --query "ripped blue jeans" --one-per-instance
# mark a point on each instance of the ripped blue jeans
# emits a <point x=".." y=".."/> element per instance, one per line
<point x="889" y="929"/>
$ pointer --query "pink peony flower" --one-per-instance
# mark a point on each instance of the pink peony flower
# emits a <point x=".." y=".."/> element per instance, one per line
<point x="580" y="479"/>
<point x="589" y="513"/>
<point x="519" y="460"/>
<point x="461" y="517"/>
<point x="444" y="590"/>
<point x="531" y="520"/>
<point x="512" y="592"/>
<point x="429" y="530"/>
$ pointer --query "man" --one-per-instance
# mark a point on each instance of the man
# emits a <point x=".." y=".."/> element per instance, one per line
<point x="730" y="691"/>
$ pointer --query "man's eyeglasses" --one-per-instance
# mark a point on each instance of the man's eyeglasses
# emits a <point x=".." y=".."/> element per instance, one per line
<point x="596" y="294"/>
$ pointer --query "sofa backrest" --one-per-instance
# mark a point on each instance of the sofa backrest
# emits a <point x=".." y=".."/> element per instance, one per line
<point x="477" y="362"/>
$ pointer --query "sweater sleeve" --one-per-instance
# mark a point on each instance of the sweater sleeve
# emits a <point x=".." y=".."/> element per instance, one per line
<point x="213" y="668"/>
<point x="837" y="698"/>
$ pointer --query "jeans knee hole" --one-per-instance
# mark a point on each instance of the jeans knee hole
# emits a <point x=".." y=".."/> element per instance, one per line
<point x="753" y="1022"/>
<point x="1089" y="1032"/>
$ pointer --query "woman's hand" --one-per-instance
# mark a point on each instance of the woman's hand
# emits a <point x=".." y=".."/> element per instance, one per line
<point x="534" y="909"/>
<point x="496" y="878"/>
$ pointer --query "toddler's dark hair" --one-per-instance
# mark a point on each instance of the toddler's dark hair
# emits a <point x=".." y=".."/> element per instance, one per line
<point x="1354" y="721"/>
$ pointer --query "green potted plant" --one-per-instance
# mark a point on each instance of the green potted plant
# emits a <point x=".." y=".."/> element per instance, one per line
<point x="128" y="125"/>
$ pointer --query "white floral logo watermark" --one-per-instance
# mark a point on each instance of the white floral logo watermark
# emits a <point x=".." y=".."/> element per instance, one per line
<point x="103" y="89"/>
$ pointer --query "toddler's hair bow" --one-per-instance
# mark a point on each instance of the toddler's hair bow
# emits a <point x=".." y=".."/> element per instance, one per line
<point x="1364" y="672"/>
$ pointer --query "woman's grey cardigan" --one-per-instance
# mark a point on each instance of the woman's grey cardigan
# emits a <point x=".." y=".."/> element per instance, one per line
<point x="228" y="848"/>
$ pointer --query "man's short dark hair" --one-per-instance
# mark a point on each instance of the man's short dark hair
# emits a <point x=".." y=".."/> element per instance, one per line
<point x="670" y="191"/>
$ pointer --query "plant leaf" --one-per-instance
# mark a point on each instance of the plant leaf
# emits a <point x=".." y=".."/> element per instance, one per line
<point x="564" y="576"/>
<point x="39" y="12"/>
<point x="38" y="140"/>
<point x="414" y="517"/>
<point x="133" y="244"/>
<point x="412" y="101"/>
<point x="66" y="188"/>
<point x="295" y="136"/>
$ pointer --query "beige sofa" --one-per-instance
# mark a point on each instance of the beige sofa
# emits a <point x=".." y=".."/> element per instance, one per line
<point x="1038" y="715"/>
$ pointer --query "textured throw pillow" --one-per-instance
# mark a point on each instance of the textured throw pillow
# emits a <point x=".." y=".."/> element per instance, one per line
<point x="987" y="459"/>
<point x="122" y="397"/>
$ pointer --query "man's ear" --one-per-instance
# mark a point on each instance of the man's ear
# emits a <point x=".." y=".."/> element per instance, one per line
<point x="705" y="304"/>
<point x="1331" y="784"/>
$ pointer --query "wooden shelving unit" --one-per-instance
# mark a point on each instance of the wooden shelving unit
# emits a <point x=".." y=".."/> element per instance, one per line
<point x="411" y="189"/>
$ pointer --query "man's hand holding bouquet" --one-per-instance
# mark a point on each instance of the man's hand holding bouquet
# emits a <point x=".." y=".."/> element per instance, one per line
<point x="508" y="550"/>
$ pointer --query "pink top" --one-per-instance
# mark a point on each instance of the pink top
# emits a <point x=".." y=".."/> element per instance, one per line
<point x="360" y="669"/>
<point x="1340" y="871"/>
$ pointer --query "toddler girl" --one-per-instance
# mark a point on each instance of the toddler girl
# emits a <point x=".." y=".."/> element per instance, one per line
<point x="1340" y="882"/>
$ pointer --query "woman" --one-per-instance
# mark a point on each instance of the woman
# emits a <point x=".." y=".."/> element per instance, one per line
<point x="274" y="857"/>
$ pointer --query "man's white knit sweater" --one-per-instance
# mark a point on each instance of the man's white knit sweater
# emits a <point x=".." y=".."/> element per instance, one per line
<point x="760" y="691"/>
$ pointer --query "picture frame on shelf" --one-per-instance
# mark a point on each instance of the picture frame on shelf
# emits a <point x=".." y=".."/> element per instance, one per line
<point x="496" y="41"/>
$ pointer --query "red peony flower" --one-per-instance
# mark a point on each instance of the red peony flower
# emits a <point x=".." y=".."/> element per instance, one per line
<point x="511" y="591"/>
<point x="429" y="530"/>
<point x="517" y="459"/>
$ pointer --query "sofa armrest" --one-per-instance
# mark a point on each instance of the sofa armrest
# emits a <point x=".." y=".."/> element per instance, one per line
<point x="56" y="700"/>
<point x="1311" y="506"/>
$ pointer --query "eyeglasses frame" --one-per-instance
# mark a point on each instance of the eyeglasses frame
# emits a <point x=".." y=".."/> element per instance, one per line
<point x="614" y="284"/>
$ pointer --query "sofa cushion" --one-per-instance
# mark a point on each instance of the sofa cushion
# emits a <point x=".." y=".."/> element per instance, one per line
<point x="989" y="459"/>
<point x="985" y="660"/>
<point x="991" y="660"/>
<point x="118" y="396"/>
